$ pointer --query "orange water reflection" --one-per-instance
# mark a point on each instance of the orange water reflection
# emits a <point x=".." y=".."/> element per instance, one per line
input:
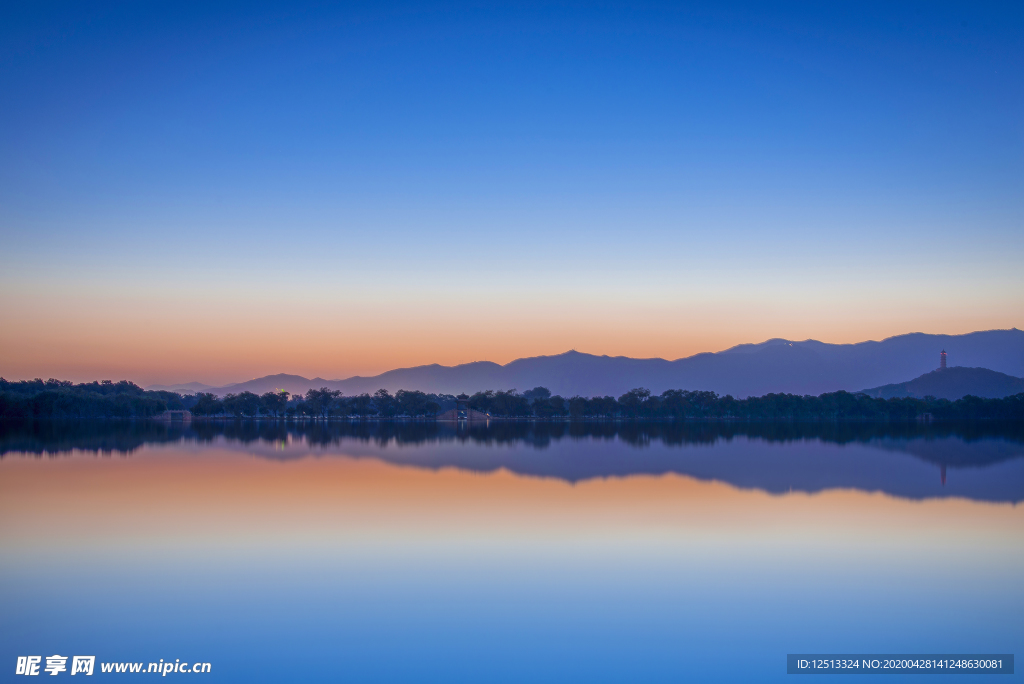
<point x="166" y="494"/>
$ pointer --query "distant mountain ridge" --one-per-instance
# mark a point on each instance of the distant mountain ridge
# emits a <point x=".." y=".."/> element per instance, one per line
<point x="953" y="383"/>
<point x="777" y="365"/>
<point x="294" y="384"/>
<point x="181" y="387"/>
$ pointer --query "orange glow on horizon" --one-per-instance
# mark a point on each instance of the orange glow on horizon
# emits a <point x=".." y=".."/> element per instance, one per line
<point x="236" y="331"/>
<point x="148" y="347"/>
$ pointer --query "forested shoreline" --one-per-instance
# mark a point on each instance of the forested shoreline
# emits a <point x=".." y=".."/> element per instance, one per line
<point x="124" y="399"/>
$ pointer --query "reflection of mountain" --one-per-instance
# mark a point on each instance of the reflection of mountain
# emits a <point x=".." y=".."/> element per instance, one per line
<point x="983" y="461"/>
<point x="953" y="451"/>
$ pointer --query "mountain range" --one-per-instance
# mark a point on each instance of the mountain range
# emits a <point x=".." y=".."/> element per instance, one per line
<point x="777" y="365"/>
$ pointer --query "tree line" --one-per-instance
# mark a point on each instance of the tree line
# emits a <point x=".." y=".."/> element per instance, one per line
<point x="323" y="403"/>
<point x="640" y="403"/>
<point x="64" y="399"/>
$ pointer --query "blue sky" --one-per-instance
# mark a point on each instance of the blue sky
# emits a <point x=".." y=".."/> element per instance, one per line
<point x="639" y="179"/>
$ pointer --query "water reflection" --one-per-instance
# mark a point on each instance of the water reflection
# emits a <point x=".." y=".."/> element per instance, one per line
<point x="982" y="461"/>
<point x="506" y="553"/>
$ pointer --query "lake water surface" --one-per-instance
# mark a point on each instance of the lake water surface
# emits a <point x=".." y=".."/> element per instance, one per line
<point x="509" y="552"/>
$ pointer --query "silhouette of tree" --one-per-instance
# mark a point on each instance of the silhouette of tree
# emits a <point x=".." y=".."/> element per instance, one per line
<point x="321" y="402"/>
<point x="384" y="402"/>
<point x="274" y="403"/>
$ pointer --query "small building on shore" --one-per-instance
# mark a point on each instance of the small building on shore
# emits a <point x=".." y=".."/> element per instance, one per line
<point x="462" y="411"/>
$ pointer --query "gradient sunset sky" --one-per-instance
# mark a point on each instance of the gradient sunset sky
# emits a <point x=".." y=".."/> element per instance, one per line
<point x="214" y="192"/>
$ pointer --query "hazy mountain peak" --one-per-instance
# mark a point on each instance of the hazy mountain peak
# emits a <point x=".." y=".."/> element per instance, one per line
<point x="756" y="346"/>
<point x="181" y="387"/>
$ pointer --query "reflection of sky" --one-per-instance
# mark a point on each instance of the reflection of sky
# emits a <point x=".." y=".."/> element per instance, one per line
<point x="334" y="567"/>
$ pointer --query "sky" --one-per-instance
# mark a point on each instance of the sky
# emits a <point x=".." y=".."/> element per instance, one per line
<point x="215" y="192"/>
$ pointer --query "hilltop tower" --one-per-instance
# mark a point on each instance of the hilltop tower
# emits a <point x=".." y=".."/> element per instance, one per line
<point x="942" y="360"/>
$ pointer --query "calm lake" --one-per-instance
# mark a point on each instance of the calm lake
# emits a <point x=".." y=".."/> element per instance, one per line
<point x="510" y="552"/>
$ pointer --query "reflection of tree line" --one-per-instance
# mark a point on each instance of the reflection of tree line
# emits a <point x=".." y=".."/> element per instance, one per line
<point x="126" y="436"/>
<point x="103" y="437"/>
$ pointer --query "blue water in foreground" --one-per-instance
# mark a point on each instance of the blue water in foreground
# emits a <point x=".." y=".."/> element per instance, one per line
<point x="278" y="553"/>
